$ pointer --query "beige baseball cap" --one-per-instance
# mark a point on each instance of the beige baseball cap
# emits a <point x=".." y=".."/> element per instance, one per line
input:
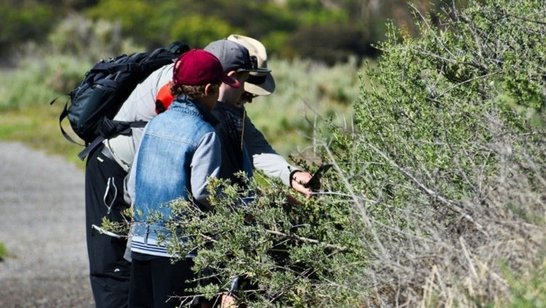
<point x="262" y="82"/>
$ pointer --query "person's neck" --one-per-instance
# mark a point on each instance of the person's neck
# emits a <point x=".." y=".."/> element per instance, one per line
<point x="205" y="108"/>
<point x="238" y="105"/>
<point x="206" y="104"/>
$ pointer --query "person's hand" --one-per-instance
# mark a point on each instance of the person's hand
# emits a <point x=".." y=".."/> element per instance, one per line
<point x="227" y="301"/>
<point x="299" y="182"/>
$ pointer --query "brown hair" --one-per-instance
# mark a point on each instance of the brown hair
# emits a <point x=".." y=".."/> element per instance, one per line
<point x="193" y="92"/>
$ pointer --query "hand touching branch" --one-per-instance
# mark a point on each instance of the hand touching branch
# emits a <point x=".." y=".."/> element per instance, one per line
<point x="299" y="181"/>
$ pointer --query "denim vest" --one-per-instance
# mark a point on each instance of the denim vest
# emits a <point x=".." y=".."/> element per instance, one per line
<point x="163" y="170"/>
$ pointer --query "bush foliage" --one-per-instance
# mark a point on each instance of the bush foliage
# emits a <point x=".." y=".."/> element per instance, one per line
<point x="437" y="198"/>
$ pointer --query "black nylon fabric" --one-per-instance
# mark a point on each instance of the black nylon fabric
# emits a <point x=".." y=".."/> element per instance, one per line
<point x="229" y="131"/>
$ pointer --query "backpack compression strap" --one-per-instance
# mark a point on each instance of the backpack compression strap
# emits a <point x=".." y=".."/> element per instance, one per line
<point x="114" y="128"/>
<point x="63" y="114"/>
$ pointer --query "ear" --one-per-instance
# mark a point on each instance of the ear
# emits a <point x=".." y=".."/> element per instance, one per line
<point x="210" y="89"/>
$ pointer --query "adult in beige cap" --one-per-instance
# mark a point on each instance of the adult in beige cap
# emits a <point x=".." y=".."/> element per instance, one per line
<point x="244" y="147"/>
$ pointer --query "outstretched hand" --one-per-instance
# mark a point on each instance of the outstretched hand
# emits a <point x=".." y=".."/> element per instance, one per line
<point x="299" y="182"/>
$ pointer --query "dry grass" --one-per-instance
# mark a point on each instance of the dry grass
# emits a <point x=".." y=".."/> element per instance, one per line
<point x="447" y="260"/>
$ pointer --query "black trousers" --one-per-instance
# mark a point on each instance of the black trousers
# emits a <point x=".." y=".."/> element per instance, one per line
<point x="156" y="282"/>
<point x="109" y="271"/>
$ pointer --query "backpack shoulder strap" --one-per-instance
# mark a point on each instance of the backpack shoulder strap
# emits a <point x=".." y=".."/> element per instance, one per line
<point x="83" y="154"/>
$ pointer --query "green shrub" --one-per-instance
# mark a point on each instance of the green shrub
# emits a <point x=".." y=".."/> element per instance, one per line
<point x="448" y="140"/>
<point x="288" y="251"/>
<point x="135" y="19"/>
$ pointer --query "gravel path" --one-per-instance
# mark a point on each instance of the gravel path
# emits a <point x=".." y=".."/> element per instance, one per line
<point x="42" y="226"/>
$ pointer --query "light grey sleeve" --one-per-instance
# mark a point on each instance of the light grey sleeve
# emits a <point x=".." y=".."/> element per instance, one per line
<point x="264" y="157"/>
<point x="204" y="164"/>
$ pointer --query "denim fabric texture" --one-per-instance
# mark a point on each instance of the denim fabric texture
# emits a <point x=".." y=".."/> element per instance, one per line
<point x="178" y="152"/>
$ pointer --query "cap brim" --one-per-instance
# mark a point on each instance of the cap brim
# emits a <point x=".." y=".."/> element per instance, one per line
<point x="255" y="70"/>
<point x="232" y="82"/>
<point x="262" y="89"/>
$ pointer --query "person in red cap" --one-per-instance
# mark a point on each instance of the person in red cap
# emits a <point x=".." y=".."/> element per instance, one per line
<point x="178" y="153"/>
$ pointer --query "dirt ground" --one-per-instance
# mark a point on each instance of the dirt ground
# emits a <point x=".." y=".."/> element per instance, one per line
<point x="42" y="227"/>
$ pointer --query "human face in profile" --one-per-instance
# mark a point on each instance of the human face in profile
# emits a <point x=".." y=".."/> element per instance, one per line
<point x="231" y="95"/>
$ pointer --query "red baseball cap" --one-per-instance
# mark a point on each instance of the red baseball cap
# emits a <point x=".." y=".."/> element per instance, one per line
<point x="199" y="67"/>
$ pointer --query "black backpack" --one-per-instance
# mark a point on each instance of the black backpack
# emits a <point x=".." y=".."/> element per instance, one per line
<point x="97" y="99"/>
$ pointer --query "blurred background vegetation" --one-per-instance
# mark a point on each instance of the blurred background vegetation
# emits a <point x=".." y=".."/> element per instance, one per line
<point x="316" y="49"/>
<point x="324" y="30"/>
